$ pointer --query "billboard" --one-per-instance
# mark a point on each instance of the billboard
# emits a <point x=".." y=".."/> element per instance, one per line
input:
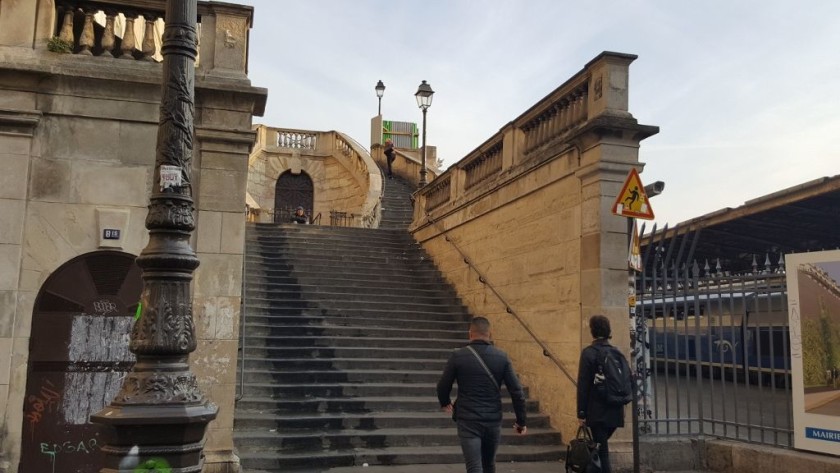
<point x="814" y="313"/>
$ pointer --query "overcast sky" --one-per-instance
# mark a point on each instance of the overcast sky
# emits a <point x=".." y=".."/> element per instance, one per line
<point x="746" y="93"/>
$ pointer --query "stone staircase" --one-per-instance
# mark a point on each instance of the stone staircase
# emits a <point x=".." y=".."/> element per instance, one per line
<point x="397" y="208"/>
<point x="346" y="333"/>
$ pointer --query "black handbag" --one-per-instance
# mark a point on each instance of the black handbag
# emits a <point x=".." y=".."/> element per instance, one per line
<point x="582" y="453"/>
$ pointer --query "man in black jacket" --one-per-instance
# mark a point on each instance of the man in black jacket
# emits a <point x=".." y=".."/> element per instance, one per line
<point x="480" y="368"/>
<point x="593" y="411"/>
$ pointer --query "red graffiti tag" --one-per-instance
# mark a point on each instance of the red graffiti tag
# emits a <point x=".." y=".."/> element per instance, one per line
<point x="45" y="401"/>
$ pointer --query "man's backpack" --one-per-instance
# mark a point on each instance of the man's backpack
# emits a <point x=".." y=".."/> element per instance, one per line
<point x="617" y="385"/>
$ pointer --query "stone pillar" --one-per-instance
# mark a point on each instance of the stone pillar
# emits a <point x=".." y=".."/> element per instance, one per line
<point x="18" y="23"/>
<point x="222" y="159"/>
<point x="224" y="41"/>
<point x="16" y="149"/>
<point x="609" y="88"/>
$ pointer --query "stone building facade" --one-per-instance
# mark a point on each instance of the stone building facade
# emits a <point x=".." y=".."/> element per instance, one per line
<point x="77" y="147"/>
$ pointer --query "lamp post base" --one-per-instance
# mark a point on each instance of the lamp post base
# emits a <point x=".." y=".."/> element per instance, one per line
<point x="170" y="437"/>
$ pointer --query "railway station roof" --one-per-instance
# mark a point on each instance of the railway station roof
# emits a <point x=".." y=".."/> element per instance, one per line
<point x="798" y="219"/>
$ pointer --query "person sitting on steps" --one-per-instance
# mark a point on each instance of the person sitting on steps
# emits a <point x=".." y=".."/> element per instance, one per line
<point x="300" y="216"/>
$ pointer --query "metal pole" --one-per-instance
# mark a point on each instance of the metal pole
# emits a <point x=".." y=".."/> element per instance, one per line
<point x="633" y="346"/>
<point x="160" y="408"/>
<point x="423" y="169"/>
<point x="379" y="110"/>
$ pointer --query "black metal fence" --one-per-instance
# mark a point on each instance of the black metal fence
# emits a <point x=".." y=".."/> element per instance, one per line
<point x="716" y="351"/>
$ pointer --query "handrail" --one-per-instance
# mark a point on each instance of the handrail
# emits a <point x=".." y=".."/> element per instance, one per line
<point x="316" y="220"/>
<point x="482" y="279"/>
<point x="244" y="316"/>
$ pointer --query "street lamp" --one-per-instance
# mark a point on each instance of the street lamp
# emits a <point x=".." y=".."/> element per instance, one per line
<point x="380" y="91"/>
<point x="160" y="413"/>
<point x="424" y="101"/>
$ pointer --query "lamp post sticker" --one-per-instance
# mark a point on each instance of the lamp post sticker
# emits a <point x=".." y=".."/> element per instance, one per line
<point x="170" y="176"/>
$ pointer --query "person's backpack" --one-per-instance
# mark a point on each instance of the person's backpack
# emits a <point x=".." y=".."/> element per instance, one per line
<point x="617" y="384"/>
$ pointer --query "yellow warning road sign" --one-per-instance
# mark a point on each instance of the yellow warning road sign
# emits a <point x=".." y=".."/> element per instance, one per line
<point x="632" y="201"/>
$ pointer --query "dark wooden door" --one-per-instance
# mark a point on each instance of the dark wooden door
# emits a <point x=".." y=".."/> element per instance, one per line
<point x="78" y="354"/>
<point x="291" y="191"/>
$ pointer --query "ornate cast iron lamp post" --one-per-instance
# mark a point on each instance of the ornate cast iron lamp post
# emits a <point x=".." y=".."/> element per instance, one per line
<point x="160" y="408"/>
<point x="424" y="101"/>
<point x="380" y="91"/>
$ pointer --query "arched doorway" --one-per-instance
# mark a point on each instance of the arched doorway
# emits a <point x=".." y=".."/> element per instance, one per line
<point x="78" y="354"/>
<point x="291" y="191"/>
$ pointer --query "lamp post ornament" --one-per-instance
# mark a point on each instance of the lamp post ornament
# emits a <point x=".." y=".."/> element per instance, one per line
<point x="424" y="101"/>
<point x="160" y="410"/>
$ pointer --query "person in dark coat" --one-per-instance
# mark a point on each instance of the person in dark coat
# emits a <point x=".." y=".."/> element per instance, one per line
<point x="390" y="156"/>
<point x="593" y="411"/>
<point x="300" y="216"/>
<point x="478" y="409"/>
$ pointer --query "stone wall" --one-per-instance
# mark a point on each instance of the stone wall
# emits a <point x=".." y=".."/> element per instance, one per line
<point x="77" y="143"/>
<point x="530" y="210"/>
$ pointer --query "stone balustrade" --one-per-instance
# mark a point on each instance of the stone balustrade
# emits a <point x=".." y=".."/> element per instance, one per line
<point x="483" y="166"/>
<point x="437" y="193"/>
<point x="121" y="31"/>
<point x="550" y="126"/>
<point x="128" y="30"/>
<point x="297" y="139"/>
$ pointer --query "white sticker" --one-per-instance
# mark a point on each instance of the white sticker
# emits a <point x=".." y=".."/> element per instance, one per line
<point x="170" y="176"/>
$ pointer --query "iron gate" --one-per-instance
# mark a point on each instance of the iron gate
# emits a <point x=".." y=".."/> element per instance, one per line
<point x="717" y="357"/>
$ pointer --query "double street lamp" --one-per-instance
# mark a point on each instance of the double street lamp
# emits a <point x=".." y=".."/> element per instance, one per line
<point x="380" y="91"/>
<point x="424" y="101"/>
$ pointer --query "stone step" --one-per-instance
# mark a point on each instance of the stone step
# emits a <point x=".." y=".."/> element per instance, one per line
<point x="285" y="245"/>
<point x="260" y="421"/>
<point x="332" y="440"/>
<point x="260" y="297"/>
<point x="313" y="271"/>
<point x="429" y="280"/>
<point x="355" y="376"/>
<point x="424" y="351"/>
<point x="338" y="321"/>
<point x="374" y="455"/>
<point x="354" y="286"/>
<point x="297" y="390"/>
<point x="253" y="330"/>
<point x="356" y="312"/>
<point x="312" y="256"/>
<point x="350" y="305"/>
<point x="316" y="364"/>
<point x="318" y="342"/>
<point x="367" y="405"/>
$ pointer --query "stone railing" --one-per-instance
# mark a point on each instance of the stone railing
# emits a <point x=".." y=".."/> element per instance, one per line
<point x="364" y="166"/>
<point x="127" y="29"/>
<point x="561" y="115"/>
<point x="549" y="127"/>
<point x="483" y="166"/>
<point x="437" y="193"/>
<point x="102" y="29"/>
<point x="297" y="139"/>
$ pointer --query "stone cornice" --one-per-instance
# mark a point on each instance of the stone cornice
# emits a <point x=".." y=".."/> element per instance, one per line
<point x="19" y="122"/>
<point x="136" y="72"/>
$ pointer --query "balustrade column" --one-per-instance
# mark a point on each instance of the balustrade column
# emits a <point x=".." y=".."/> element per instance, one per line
<point x="86" y="39"/>
<point x="66" y="33"/>
<point x="108" y="36"/>
<point x="128" y="39"/>
<point x="148" y="47"/>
